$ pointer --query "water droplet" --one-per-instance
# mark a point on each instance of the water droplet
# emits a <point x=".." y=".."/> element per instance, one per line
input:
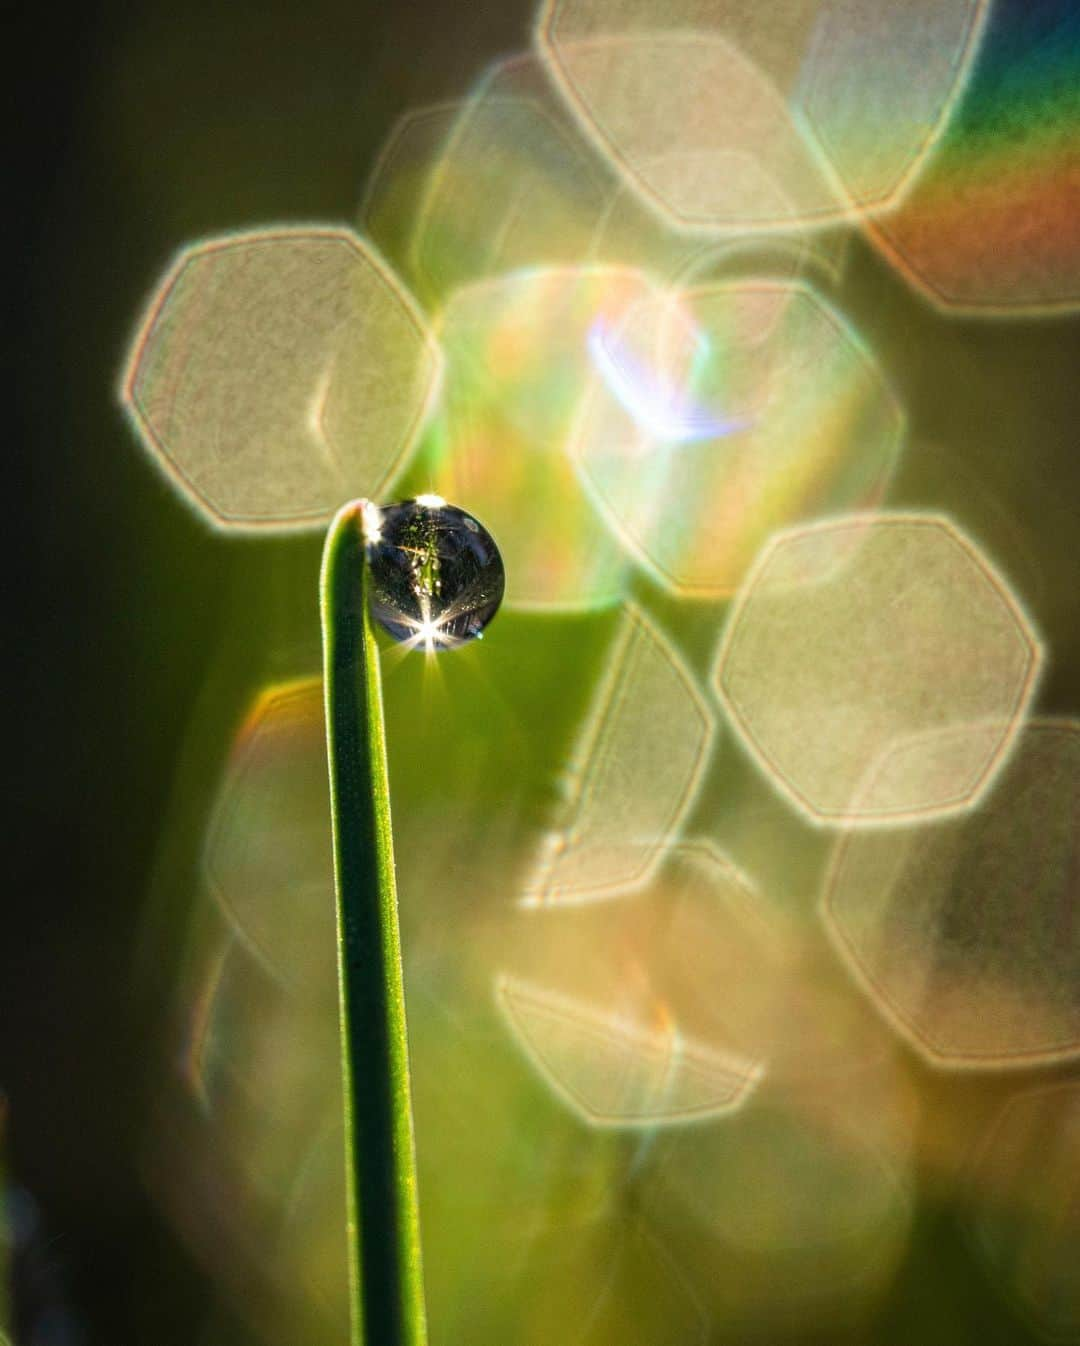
<point x="437" y="576"/>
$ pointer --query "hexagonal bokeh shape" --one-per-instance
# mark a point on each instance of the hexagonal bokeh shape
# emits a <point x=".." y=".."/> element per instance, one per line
<point x="515" y="374"/>
<point x="593" y="1283"/>
<point x="267" y="857"/>
<point x="697" y="102"/>
<point x="612" y="1074"/>
<point x="635" y="772"/>
<point x="1023" y="1215"/>
<point x="401" y="178"/>
<point x="277" y="374"/>
<point x="513" y="186"/>
<point x="640" y="96"/>
<point x="545" y="1283"/>
<point x="851" y="643"/>
<point x="795" y="1209"/>
<point x="719" y="414"/>
<point x="655" y="1008"/>
<point x="964" y="935"/>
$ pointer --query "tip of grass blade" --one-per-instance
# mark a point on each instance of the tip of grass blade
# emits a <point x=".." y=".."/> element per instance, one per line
<point x="386" y="1282"/>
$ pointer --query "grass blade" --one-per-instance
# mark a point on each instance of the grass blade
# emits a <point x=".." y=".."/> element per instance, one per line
<point x="386" y="1282"/>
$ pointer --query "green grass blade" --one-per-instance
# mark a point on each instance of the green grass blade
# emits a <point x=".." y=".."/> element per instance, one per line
<point x="386" y="1281"/>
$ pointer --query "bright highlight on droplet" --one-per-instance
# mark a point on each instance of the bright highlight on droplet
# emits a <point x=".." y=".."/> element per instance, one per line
<point x="437" y="576"/>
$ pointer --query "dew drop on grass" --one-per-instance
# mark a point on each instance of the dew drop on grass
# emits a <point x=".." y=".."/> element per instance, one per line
<point x="437" y="576"/>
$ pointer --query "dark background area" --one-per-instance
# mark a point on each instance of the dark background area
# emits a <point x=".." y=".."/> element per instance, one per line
<point x="140" y="127"/>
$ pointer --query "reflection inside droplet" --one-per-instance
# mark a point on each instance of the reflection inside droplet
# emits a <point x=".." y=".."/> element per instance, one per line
<point x="437" y="576"/>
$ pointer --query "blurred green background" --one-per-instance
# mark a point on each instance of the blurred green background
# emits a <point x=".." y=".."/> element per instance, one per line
<point x="139" y="640"/>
